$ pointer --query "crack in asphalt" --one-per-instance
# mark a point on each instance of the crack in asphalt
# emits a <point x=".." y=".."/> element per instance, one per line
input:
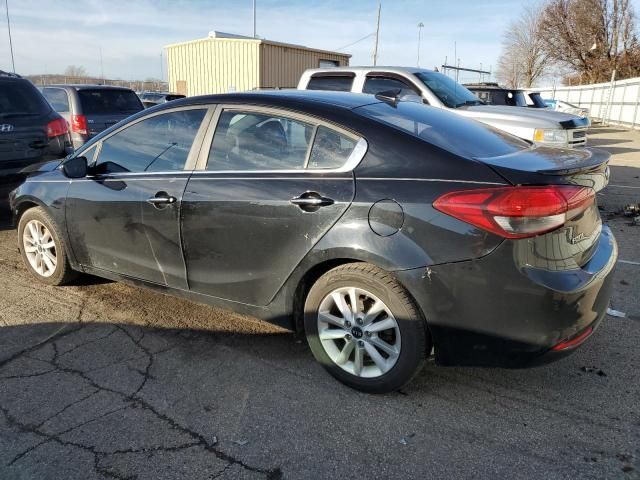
<point x="133" y="400"/>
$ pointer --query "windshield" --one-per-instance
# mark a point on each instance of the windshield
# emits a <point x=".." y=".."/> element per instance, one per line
<point x="444" y="129"/>
<point x="108" y="101"/>
<point x="450" y="92"/>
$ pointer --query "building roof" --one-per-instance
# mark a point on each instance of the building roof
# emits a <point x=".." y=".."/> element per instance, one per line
<point x="229" y="37"/>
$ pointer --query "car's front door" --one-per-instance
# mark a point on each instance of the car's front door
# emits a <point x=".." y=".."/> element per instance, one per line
<point x="125" y="217"/>
<point x="274" y="183"/>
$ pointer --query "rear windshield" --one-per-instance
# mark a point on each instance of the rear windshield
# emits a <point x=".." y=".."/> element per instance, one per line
<point x="335" y="83"/>
<point x="21" y="98"/>
<point x="104" y="101"/>
<point x="446" y="130"/>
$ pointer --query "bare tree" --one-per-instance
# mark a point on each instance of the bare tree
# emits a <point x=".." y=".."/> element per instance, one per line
<point x="75" y="71"/>
<point x="523" y="59"/>
<point x="591" y="37"/>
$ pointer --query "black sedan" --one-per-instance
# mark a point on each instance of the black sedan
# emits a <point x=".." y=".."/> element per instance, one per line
<point x="387" y="231"/>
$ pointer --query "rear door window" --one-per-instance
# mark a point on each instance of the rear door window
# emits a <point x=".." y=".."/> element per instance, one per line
<point x="108" y="101"/>
<point x="156" y="144"/>
<point x="21" y="98"/>
<point x="334" y="83"/>
<point x="256" y="141"/>
<point x="57" y="98"/>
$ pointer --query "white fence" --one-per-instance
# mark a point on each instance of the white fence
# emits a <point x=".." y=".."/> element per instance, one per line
<point x="615" y="102"/>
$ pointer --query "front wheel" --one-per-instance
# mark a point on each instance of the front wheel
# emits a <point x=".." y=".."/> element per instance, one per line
<point x="363" y="327"/>
<point x="43" y="249"/>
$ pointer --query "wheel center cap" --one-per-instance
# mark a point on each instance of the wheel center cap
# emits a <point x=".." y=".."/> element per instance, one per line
<point x="356" y="332"/>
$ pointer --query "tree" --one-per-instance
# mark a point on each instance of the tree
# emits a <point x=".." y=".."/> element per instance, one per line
<point x="523" y="59"/>
<point x="75" y="71"/>
<point x="592" y="38"/>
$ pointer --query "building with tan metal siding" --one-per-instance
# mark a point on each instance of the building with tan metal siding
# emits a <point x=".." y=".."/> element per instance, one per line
<point x="225" y="63"/>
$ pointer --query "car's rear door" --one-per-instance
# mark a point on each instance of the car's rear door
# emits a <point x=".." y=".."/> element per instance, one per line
<point x="270" y="186"/>
<point x="104" y="107"/>
<point x="125" y="217"/>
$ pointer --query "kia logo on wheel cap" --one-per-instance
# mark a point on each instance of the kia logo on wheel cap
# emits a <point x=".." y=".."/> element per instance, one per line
<point x="6" y="128"/>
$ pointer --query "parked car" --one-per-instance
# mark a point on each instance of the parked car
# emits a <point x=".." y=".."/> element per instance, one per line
<point x="566" y="107"/>
<point x="433" y="88"/>
<point x="493" y="94"/>
<point x="383" y="230"/>
<point x="30" y="130"/>
<point x="151" y="99"/>
<point x="90" y="109"/>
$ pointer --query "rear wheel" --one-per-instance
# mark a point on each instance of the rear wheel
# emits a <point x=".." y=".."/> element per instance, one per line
<point x="363" y="327"/>
<point x="43" y="250"/>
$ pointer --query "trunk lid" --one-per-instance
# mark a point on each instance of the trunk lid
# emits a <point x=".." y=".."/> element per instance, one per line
<point x="573" y="244"/>
<point x="22" y="140"/>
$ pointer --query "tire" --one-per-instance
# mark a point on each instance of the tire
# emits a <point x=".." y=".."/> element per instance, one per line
<point x="406" y="341"/>
<point x="49" y="247"/>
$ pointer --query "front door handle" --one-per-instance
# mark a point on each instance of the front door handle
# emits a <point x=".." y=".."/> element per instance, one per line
<point x="161" y="199"/>
<point x="311" y="201"/>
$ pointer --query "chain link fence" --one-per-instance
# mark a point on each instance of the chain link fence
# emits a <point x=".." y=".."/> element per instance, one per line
<point x="616" y="102"/>
<point x="135" y="85"/>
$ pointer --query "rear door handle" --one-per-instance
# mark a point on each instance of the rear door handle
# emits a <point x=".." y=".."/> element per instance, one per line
<point x="311" y="201"/>
<point x="161" y="199"/>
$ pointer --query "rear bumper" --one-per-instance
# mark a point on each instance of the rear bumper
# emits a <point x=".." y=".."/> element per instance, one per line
<point x="492" y="312"/>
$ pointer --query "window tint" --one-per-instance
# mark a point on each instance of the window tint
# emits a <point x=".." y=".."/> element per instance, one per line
<point x="333" y="83"/>
<point x="255" y="141"/>
<point x="374" y="85"/>
<point x="157" y="144"/>
<point x="445" y="129"/>
<point x="21" y="97"/>
<point x="57" y="98"/>
<point x="108" y="101"/>
<point x="330" y="149"/>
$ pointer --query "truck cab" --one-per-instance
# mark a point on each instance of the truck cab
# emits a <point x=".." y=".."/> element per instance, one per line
<point x="540" y="126"/>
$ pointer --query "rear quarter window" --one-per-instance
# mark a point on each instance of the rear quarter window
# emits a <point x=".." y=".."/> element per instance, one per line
<point x="57" y="98"/>
<point x="446" y="130"/>
<point x="335" y="83"/>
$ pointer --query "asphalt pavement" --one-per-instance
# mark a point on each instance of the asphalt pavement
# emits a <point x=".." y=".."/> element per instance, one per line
<point x="103" y="380"/>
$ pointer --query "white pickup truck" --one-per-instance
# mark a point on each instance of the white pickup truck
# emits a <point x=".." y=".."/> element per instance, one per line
<point x="540" y="126"/>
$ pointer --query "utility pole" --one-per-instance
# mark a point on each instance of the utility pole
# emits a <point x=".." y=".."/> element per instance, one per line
<point x="375" y="48"/>
<point x="13" y="62"/>
<point x="254" y="18"/>
<point x="420" y="27"/>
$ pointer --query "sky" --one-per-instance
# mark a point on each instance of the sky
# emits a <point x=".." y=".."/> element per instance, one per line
<point x="49" y="35"/>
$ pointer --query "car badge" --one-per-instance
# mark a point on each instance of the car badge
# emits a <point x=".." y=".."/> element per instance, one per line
<point x="6" y="128"/>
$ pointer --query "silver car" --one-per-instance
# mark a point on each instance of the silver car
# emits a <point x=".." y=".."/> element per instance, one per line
<point x="540" y="126"/>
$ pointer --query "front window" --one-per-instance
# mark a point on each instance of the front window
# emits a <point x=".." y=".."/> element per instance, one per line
<point x="156" y="144"/>
<point x="450" y="92"/>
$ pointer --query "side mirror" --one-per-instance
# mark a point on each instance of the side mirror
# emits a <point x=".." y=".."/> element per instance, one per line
<point x="75" y="167"/>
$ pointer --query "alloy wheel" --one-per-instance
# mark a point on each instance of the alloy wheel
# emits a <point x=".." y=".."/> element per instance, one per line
<point x="40" y="248"/>
<point x="358" y="332"/>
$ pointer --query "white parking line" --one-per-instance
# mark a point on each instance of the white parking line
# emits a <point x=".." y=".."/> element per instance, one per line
<point x="628" y="262"/>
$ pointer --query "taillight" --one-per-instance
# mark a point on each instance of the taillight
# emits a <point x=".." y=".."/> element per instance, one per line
<point x="57" y="127"/>
<point x="517" y="212"/>
<point x="79" y="124"/>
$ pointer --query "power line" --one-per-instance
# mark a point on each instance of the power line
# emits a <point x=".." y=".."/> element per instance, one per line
<point x="357" y="41"/>
<point x="13" y="62"/>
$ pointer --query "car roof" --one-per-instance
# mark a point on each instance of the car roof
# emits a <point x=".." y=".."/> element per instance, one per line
<point x="79" y="86"/>
<point x="283" y="98"/>
<point x="369" y="69"/>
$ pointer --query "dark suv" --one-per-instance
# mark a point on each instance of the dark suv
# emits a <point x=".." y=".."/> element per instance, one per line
<point x="90" y="109"/>
<point x="30" y="130"/>
<point x="493" y="94"/>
